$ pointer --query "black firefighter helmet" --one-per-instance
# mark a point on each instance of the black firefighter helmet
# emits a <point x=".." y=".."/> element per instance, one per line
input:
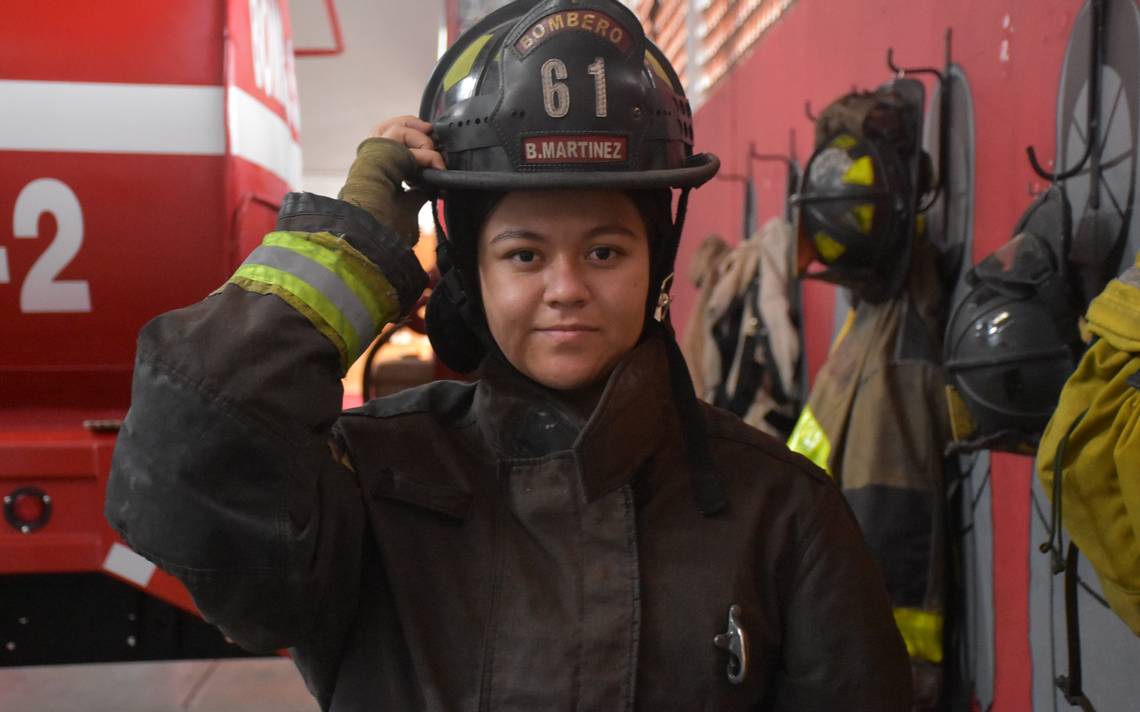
<point x="858" y="201"/>
<point x="1013" y="340"/>
<point x="561" y="94"/>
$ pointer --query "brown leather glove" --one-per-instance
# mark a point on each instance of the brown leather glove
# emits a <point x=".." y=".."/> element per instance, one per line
<point x="374" y="183"/>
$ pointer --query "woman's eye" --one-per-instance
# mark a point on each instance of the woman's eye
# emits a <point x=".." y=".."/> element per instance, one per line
<point x="603" y="253"/>
<point x="522" y="256"/>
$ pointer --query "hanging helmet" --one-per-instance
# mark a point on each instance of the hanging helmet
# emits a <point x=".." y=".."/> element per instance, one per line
<point x="858" y="200"/>
<point x="1013" y="341"/>
<point x="560" y="94"/>
<point x="853" y="212"/>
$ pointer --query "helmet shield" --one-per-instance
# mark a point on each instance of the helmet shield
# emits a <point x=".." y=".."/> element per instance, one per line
<point x="859" y="196"/>
<point x="849" y="210"/>
<point x="560" y="94"/>
<point x="1024" y="262"/>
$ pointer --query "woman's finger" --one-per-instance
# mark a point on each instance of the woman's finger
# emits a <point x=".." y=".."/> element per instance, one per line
<point x="407" y="121"/>
<point x="428" y="159"/>
<point x="409" y="137"/>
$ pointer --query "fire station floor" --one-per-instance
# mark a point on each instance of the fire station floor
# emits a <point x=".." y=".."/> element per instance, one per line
<point x="233" y="685"/>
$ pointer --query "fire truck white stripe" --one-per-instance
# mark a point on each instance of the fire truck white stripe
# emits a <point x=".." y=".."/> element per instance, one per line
<point x="121" y="561"/>
<point x="101" y="117"/>
<point x="260" y="136"/>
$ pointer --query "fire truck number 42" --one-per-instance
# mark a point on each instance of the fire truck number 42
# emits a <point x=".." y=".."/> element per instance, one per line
<point x="41" y="290"/>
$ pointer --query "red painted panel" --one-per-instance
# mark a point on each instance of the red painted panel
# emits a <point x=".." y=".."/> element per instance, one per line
<point x="1010" y="476"/>
<point x="260" y="49"/>
<point x="167" y="42"/>
<point x="158" y="232"/>
<point x="138" y="260"/>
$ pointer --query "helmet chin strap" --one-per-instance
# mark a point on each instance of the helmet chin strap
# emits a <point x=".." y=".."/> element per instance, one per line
<point x="708" y="492"/>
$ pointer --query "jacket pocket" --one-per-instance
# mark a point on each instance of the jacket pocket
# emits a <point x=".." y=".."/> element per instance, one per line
<point x="390" y="484"/>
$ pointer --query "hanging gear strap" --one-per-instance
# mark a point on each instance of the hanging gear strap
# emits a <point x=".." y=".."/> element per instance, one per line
<point x="1071" y="685"/>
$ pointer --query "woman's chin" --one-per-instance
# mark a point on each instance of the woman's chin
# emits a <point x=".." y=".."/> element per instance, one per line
<point x="567" y="376"/>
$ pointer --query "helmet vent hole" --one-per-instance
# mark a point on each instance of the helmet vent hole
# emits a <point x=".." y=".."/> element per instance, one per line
<point x="477" y="122"/>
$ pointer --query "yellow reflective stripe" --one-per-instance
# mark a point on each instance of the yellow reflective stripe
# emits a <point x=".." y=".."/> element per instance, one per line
<point x="829" y="248"/>
<point x="461" y="67"/>
<point x="314" y="300"/>
<point x="250" y="285"/>
<point x="962" y="424"/>
<point x="922" y="632"/>
<point x="808" y="439"/>
<point x="346" y="262"/>
<point x="865" y="216"/>
<point x="658" y="69"/>
<point x="844" y="330"/>
<point x="861" y="172"/>
<point x="843" y="141"/>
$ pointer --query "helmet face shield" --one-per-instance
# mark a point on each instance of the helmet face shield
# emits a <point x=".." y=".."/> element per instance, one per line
<point x="851" y="210"/>
<point x="1025" y="261"/>
<point x="560" y="94"/>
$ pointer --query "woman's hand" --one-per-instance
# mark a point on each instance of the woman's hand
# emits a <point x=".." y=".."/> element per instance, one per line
<point x="414" y="133"/>
<point x="397" y="150"/>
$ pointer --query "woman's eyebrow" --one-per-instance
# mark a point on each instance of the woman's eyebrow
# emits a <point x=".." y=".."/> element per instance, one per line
<point x="517" y="234"/>
<point x="611" y="229"/>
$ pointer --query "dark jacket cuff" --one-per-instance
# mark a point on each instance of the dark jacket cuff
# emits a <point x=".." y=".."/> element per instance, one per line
<point x="309" y="212"/>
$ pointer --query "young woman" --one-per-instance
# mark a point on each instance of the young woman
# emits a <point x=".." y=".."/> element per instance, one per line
<point x="573" y="531"/>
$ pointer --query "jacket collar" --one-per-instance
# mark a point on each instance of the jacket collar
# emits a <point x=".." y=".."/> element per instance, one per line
<point x="521" y="419"/>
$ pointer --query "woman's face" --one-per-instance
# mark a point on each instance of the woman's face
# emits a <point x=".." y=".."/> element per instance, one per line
<point x="564" y="277"/>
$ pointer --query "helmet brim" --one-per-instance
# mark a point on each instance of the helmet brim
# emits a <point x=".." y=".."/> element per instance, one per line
<point x="698" y="170"/>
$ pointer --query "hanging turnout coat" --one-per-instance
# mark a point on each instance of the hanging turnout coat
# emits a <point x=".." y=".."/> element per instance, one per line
<point x="754" y="373"/>
<point x="876" y="420"/>
<point x="477" y="546"/>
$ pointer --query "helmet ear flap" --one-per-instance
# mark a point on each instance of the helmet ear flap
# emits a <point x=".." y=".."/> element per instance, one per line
<point x="454" y="341"/>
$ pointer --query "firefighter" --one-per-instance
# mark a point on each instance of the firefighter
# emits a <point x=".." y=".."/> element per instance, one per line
<point x="573" y="530"/>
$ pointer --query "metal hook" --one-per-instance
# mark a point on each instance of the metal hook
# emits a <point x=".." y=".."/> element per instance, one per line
<point x="772" y="157"/>
<point x="903" y="71"/>
<point x="1096" y="62"/>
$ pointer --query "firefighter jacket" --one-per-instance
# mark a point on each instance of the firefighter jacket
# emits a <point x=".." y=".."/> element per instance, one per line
<point x="742" y="342"/>
<point x="477" y="546"/>
<point x="704" y="270"/>
<point x="876" y="421"/>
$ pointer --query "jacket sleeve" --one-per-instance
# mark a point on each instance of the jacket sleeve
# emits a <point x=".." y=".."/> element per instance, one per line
<point x="842" y="649"/>
<point x="223" y="472"/>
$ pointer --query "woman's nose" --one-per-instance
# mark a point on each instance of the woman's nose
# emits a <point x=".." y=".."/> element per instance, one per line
<point x="565" y="283"/>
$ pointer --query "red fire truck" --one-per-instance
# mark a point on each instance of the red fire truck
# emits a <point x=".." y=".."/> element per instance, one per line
<point x="144" y="149"/>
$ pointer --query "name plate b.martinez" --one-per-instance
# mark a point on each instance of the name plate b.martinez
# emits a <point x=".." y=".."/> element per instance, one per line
<point x="575" y="148"/>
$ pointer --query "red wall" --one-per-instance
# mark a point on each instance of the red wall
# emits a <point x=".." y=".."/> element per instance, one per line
<point x="1011" y="52"/>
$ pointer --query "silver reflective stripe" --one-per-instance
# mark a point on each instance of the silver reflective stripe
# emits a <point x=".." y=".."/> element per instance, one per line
<point x="323" y="280"/>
